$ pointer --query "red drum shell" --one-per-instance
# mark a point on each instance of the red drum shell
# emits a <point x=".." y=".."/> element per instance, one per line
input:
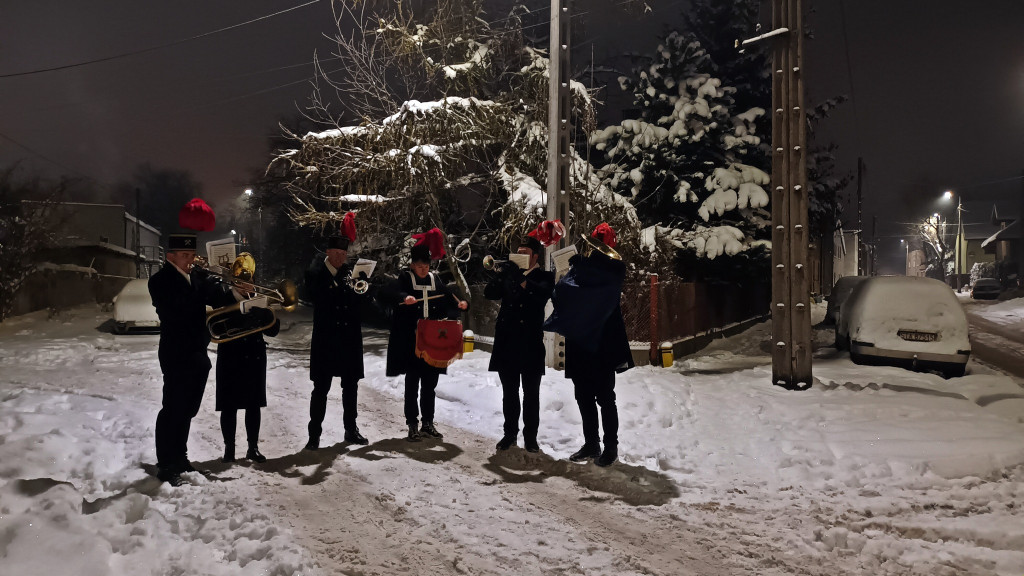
<point x="439" y="342"/>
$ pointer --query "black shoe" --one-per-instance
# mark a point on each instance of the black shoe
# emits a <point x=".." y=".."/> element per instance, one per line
<point x="608" y="457"/>
<point x="229" y="454"/>
<point x="506" y="442"/>
<point x="354" y="437"/>
<point x="186" y="466"/>
<point x="586" y="452"/>
<point x="532" y="446"/>
<point x="414" y="434"/>
<point x="171" y="477"/>
<point x="429" y="431"/>
<point x="313" y="444"/>
<point x="253" y="453"/>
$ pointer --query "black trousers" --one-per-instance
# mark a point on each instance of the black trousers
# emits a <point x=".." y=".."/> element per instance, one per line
<point x="182" y="395"/>
<point x="318" y="403"/>
<point x="593" y="391"/>
<point x="510" y="403"/>
<point x="421" y="380"/>
<point x="229" y="421"/>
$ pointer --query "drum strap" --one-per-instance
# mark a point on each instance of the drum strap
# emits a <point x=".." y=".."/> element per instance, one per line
<point x="424" y="288"/>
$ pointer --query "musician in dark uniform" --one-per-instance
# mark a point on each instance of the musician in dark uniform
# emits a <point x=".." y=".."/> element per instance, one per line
<point x="406" y="296"/>
<point x="519" y="353"/>
<point x="337" y="345"/>
<point x="242" y="362"/>
<point x="587" y="311"/>
<point x="180" y="295"/>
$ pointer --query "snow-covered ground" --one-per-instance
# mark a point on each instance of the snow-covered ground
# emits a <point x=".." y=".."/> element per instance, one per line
<point x="1008" y="313"/>
<point x="873" y="470"/>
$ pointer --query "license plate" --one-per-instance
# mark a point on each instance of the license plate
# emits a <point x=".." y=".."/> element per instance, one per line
<point x="915" y="336"/>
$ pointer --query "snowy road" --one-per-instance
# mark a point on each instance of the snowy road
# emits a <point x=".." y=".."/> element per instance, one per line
<point x="873" y="471"/>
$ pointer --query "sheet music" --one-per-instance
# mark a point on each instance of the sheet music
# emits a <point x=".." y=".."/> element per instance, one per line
<point x="221" y="252"/>
<point x="521" y="260"/>
<point x="561" y="259"/>
<point x="363" y="265"/>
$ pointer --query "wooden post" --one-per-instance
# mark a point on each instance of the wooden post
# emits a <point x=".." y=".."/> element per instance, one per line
<point x="791" y="318"/>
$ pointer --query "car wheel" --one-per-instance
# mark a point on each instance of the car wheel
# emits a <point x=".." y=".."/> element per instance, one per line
<point x="120" y="328"/>
<point x="840" y="342"/>
<point x="955" y="371"/>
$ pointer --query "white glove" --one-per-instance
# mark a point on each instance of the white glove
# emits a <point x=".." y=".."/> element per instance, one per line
<point x="245" y="306"/>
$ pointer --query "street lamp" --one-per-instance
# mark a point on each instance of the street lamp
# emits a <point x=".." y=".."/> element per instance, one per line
<point x="906" y="267"/>
<point x="959" y="244"/>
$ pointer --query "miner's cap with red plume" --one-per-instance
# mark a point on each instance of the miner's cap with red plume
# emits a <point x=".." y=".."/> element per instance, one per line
<point x="433" y="241"/>
<point x="348" y="226"/>
<point x="548" y="232"/>
<point x="605" y="233"/>
<point x="197" y="215"/>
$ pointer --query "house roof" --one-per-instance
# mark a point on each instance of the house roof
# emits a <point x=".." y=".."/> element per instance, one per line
<point x="1011" y="232"/>
<point x="1004" y="212"/>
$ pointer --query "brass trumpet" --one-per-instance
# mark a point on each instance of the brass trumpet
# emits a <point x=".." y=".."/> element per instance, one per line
<point x="359" y="286"/>
<point x="489" y="263"/>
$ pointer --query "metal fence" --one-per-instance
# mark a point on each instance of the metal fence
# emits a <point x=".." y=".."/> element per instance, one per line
<point x="673" y="311"/>
<point x="658" y="311"/>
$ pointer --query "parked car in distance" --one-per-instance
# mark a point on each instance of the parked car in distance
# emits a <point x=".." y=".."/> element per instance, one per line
<point x="986" y="288"/>
<point x="840" y="292"/>
<point x="133" y="307"/>
<point x="905" y="321"/>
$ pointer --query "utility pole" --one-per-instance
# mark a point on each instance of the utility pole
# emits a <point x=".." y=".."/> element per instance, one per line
<point x="861" y="255"/>
<point x="959" y="241"/>
<point x="791" y="312"/>
<point x="137" y="240"/>
<point x="559" y="112"/>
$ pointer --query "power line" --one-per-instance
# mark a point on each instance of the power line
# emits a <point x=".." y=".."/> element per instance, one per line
<point x="158" y="47"/>
<point x="849" y="76"/>
<point x="46" y="158"/>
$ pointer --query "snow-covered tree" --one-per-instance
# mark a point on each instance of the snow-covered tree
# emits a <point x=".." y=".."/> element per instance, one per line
<point x="450" y="132"/>
<point x="26" y="229"/>
<point x="939" y="258"/>
<point x="693" y="164"/>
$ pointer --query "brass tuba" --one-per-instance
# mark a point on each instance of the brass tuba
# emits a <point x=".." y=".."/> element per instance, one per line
<point x="228" y="323"/>
<point x="601" y="247"/>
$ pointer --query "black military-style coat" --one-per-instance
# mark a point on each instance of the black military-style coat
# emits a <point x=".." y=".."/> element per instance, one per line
<point x="402" y="340"/>
<point x="337" y="344"/>
<point x="242" y="362"/>
<point x="518" y="331"/>
<point x="597" y="293"/>
<point x="181" y="307"/>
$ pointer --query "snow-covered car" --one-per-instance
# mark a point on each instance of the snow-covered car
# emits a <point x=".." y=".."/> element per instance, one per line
<point x="905" y="321"/>
<point x="133" y="307"/>
<point x="840" y="292"/>
<point x="986" y="288"/>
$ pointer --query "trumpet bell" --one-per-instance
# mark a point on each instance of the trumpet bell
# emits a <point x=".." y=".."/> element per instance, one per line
<point x="489" y="263"/>
<point x="601" y="247"/>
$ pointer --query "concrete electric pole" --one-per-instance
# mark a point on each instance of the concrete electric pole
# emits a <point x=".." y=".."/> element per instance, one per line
<point x="559" y="157"/>
<point x="791" y="311"/>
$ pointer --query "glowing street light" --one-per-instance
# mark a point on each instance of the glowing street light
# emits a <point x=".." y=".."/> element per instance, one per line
<point x="948" y="195"/>
<point x="248" y="192"/>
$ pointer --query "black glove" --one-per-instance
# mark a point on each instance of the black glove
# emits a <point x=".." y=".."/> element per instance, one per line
<point x="363" y="276"/>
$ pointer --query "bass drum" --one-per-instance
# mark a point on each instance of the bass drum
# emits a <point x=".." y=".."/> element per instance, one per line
<point x="439" y="342"/>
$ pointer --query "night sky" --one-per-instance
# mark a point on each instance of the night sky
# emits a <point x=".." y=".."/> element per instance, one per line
<point x="937" y="88"/>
